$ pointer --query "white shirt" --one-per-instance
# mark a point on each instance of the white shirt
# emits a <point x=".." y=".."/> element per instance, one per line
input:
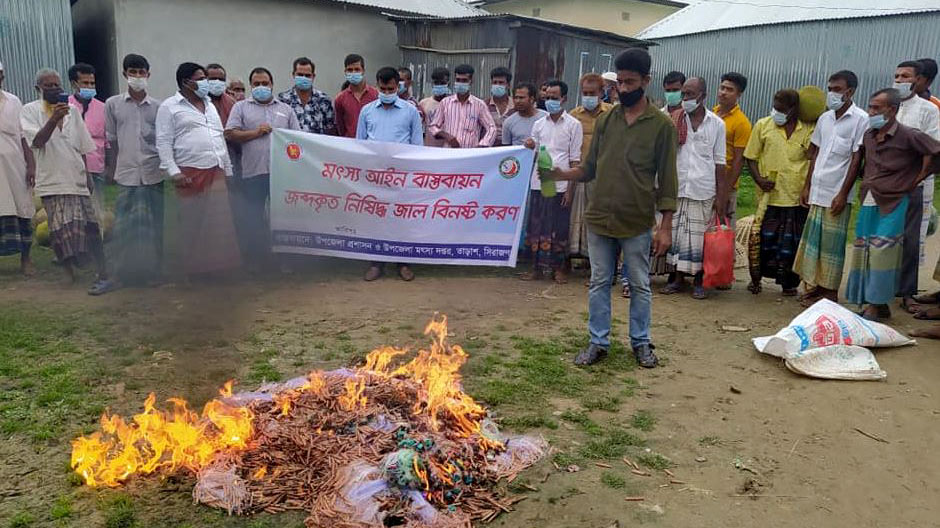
<point x="187" y="137"/>
<point x="563" y="141"/>
<point x="921" y="114"/>
<point x="836" y="140"/>
<point x="704" y="149"/>
<point x="15" y="197"/>
<point x="60" y="168"/>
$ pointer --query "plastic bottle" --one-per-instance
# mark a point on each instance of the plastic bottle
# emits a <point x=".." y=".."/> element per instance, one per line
<point x="544" y="165"/>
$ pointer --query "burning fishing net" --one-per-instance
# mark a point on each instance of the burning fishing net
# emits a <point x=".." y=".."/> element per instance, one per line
<point x="389" y="443"/>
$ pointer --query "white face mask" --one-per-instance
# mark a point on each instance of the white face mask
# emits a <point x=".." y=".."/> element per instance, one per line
<point x="779" y="117"/>
<point x="834" y="101"/>
<point x="904" y="89"/>
<point x="690" y="106"/>
<point x="138" y="84"/>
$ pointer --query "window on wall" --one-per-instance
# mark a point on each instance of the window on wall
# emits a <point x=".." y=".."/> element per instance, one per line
<point x="624" y="15"/>
<point x="536" y="11"/>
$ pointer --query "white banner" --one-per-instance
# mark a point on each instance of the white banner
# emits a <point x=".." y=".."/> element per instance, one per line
<point x="389" y="202"/>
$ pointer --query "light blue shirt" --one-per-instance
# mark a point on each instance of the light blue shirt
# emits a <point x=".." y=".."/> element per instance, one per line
<point x="401" y="123"/>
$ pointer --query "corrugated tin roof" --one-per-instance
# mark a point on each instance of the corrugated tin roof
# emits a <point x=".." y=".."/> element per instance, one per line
<point x="533" y="21"/>
<point x="436" y="8"/>
<point x="712" y="15"/>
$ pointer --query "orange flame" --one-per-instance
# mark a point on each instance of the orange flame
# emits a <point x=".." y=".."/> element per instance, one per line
<point x="181" y="439"/>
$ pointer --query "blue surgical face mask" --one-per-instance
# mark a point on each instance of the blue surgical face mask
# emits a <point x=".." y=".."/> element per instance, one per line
<point x="402" y="88"/>
<point x="834" y="101"/>
<point x="202" y="88"/>
<point x="87" y="93"/>
<point x="303" y="83"/>
<point x="553" y="106"/>
<point x="590" y="102"/>
<point x="354" y="78"/>
<point x="440" y="89"/>
<point x="498" y="90"/>
<point x="461" y="88"/>
<point x="779" y="118"/>
<point x="262" y="94"/>
<point x="903" y="88"/>
<point x="673" y="98"/>
<point x="216" y="87"/>
<point x="877" y="121"/>
<point x="388" y="98"/>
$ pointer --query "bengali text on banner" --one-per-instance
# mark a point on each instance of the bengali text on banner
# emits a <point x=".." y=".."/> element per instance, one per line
<point x="389" y="202"/>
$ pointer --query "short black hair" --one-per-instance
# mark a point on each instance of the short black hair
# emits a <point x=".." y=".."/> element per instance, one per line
<point x="302" y="61"/>
<point x="736" y="79"/>
<point x="260" y="69"/>
<point x="353" y="58"/>
<point x="185" y="72"/>
<point x="636" y="60"/>
<point x="501" y="71"/>
<point x="133" y="60"/>
<point x="894" y="97"/>
<point x="674" y="77"/>
<point x="529" y="87"/>
<point x="386" y="74"/>
<point x="80" y="68"/>
<point x="560" y="84"/>
<point x="917" y="66"/>
<point x="929" y="70"/>
<point x="440" y="74"/>
<point x="402" y="70"/>
<point x="789" y="97"/>
<point x="215" y="66"/>
<point x="851" y="80"/>
<point x="463" y="69"/>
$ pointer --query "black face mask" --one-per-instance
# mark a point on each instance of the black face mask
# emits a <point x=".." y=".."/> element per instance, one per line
<point x="51" y="96"/>
<point x="628" y="99"/>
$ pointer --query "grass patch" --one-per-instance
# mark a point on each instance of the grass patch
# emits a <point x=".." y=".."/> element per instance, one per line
<point x="614" y="445"/>
<point x="643" y="420"/>
<point x="603" y="403"/>
<point x="613" y="480"/>
<point x="709" y="441"/>
<point x="565" y="459"/>
<point x="654" y="461"/>
<point x="62" y="509"/>
<point x="119" y="512"/>
<point x="22" y="520"/>
<point x="581" y="418"/>
<point x="530" y="421"/>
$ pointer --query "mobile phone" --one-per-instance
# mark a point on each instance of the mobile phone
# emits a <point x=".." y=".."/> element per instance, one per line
<point x="63" y="98"/>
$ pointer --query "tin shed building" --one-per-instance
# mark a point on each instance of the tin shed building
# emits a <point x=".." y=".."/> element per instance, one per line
<point x="34" y="34"/>
<point x="534" y="50"/>
<point x="786" y="46"/>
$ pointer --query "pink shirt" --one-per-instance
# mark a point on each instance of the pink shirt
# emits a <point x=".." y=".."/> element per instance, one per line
<point x="94" y="121"/>
<point x="347" y="109"/>
<point x="470" y="122"/>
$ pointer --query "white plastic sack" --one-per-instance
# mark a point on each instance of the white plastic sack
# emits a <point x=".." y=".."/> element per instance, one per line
<point x="827" y="323"/>
<point x="841" y="362"/>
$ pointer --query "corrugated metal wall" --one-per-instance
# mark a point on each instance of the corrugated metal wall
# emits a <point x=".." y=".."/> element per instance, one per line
<point x="34" y="34"/>
<point x="533" y="54"/>
<point x="794" y="55"/>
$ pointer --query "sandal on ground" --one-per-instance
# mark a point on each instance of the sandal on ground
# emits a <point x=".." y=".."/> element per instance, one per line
<point x="406" y="274"/>
<point x="529" y="276"/>
<point x="671" y="288"/>
<point x="560" y="277"/>
<point x="754" y="287"/>
<point x="590" y="355"/>
<point x="373" y="273"/>
<point x="625" y="292"/>
<point x="103" y="286"/>
<point x="929" y="298"/>
<point x="698" y="292"/>
<point x="790" y="292"/>
<point x="930" y="314"/>
<point x="909" y="307"/>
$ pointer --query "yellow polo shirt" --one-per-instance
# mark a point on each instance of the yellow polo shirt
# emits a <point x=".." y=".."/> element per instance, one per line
<point x="737" y="132"/>
<point x="781" y="159"/>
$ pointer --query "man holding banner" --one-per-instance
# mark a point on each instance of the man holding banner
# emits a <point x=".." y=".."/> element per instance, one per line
<point x="394" y="120"/>
<point x="623" y="201"/>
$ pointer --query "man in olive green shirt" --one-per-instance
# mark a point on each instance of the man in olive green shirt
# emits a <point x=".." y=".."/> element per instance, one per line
<point x="632" y="161"/>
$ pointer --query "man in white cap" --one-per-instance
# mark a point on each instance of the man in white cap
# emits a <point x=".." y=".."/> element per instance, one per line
<point x="610" y="87"/>
<point x="17" y="175"/>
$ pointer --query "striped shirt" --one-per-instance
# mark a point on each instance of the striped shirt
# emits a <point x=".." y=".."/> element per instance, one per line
<point x="470" y="122"/>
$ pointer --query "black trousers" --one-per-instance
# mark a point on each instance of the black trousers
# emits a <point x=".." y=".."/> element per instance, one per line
<point x="910" y="253"/>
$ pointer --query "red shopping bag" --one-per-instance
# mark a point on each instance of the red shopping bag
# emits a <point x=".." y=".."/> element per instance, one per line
<point x="719" y="254"/>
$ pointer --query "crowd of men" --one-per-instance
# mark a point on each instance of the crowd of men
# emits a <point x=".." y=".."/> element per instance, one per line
<point x="633" y="189"/>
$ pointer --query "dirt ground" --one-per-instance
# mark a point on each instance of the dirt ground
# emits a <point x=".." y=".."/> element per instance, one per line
<point x="750" y="442"/>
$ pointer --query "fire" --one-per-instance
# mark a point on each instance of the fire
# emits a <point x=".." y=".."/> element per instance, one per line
<point x="157" y="440"/>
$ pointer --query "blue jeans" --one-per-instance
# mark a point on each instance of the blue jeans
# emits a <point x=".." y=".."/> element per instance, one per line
<point x="636" y="262"/>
